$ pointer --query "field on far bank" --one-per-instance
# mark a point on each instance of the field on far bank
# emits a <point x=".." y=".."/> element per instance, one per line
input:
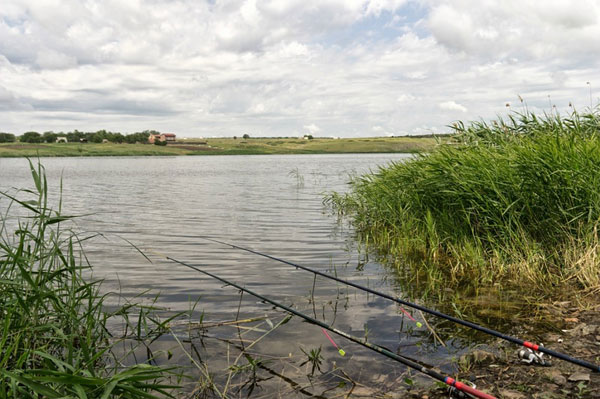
<point x="319" y="146"/>
<point x="224" y="146"/>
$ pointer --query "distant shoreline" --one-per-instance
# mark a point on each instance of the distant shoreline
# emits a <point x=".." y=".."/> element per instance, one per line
<point x="224" y="146"/>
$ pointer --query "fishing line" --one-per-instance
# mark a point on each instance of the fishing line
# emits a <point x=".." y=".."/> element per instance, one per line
<point x="340" y="350"/>
<point x="404" y="311"/>
<point x="407" y="362"/>
<point x="489" y="331"/>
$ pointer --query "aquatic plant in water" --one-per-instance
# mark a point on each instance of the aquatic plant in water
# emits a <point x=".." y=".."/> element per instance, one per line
<point x="55" y="342"/>
<point x="515" y="202"/>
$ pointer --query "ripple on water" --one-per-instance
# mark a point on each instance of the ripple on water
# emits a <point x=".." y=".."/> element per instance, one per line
<point x="163" y="204"/>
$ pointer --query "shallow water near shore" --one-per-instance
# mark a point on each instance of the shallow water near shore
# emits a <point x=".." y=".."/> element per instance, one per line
<point x="272" y="204"/>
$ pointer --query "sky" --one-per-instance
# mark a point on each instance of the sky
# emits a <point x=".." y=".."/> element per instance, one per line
<point x="342" y="68"/>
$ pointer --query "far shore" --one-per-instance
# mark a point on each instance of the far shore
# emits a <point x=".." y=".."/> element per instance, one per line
<point x="225" y="146"/>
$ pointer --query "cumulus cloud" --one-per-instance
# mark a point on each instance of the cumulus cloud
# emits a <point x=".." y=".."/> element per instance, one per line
<point x="10" y="102"/>
<point x="50" y="59"/>
<point x="452" y="106"/>
<point x="344" y="67"/>
<point x="516" y="28"/>
<point x="404" y="98"/>
<point x="312" y="128"/>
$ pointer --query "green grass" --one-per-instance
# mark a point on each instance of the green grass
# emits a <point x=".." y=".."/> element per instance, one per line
<point x="512" y="203"/>
<point x="320" y="146"/>
<point x="55" y="342"/>
<point x="85" y="149"/>
<point x="223" y="146"/>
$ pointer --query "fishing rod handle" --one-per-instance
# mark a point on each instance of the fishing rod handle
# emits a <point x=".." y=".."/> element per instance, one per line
<point x="558" y="355"/>
<point x="468" y="389"/>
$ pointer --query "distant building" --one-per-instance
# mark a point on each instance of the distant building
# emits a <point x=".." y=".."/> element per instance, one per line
<point x="168" y="137"/>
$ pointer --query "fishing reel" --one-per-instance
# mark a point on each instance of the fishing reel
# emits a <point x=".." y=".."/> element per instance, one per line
<point x="456" y="394"/>
<point x="531" y="357"/>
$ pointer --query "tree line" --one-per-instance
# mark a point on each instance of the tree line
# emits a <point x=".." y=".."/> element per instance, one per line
<point x="77" y="136"/>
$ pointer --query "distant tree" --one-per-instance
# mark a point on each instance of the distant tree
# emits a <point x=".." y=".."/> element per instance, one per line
<point x="246" y="136"/>
<point x="7" y="138"/>
<point x="49" y="137"/>
<point x="95" y="137"/>
<point x="235" y="137"/>
<point x="145" y="134"/>
<point x="158" y="142"/>
<point x="101" y="135"/>
<point x="140" y="137"/>
<point x="75" y="136"/>
<point x="309" y="136"/>
<point x="31" y="137"/>
<point x="116" y="138"/>
<point x="128" y="139"/>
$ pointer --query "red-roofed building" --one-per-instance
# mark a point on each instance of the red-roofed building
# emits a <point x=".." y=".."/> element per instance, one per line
<point x="168" y="137"/>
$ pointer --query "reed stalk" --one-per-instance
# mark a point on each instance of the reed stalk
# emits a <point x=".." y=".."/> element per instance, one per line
<point x="513" y="202"/>
<point x="55" y="342"/>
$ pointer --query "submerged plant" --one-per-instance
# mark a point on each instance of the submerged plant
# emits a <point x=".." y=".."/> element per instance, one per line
<point x="55" y="342"/>
<point x="295" y="173"/>
<point x="252" y="369"/>
<point x="314" y="358"/>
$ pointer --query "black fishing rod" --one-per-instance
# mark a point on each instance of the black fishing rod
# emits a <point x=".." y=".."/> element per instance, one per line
<point x="527" y="344"/>
<point x="407" y="362"/>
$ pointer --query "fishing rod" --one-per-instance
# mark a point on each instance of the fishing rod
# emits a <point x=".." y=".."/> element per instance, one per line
<point x="530" y="345"/>
<point x="407" y="362"/>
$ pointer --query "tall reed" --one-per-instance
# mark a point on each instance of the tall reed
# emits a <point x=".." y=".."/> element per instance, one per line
<point x="55" y="342"/>
<point x="515" y="201"/>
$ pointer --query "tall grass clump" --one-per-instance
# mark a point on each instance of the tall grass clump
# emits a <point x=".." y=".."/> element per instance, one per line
<point x="55" y="342"/>
<point x="513" y="202"/>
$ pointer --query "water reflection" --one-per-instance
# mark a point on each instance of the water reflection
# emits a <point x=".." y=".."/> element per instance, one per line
<point x="268" y="203"/>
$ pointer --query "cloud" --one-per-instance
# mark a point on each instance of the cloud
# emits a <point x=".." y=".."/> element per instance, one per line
<point x="404" y="98"/>
<point x="50" y="59"/>
<point x="110" y="106"/>
<point x="312" y="128"/>
<point x="376" y="7"/>
<point x="452" y="106"/>
<point x="346" y="67"/>
<point x="516" y="28"/>
<point x="10" y="102"/>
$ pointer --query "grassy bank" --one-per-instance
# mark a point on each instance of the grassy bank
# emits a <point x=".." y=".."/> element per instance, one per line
<point x="55" y="341"/>
<point x="223" y="146"/>
<point x="514" y="203"/>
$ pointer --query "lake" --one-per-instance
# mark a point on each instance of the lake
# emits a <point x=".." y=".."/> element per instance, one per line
<point x="272" y="204"/>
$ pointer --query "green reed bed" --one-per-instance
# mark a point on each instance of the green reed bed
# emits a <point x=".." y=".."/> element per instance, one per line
<point x="514" y="202"/>
<point x="55" y="342"/>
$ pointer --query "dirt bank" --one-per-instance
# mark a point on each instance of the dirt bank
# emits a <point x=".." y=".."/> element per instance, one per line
<point x="498" y="370"/>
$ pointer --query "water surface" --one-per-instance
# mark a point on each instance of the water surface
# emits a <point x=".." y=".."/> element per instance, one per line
<point x="272" y="204"/>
